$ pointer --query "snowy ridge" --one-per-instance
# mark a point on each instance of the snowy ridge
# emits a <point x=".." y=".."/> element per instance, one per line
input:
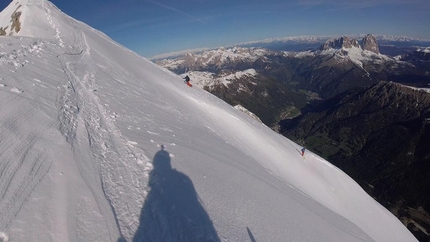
<point x="425" y="50"/>
<point x="240" y="74"/>
<point x="355" y="54"/>
<point x="208" y="79"/>
<point x="100" y="144"/>
<point x="246" y="111"/>
<point x="222" y="55"/>
<point x="415" y="88"/>
<point x="218" y="57"/>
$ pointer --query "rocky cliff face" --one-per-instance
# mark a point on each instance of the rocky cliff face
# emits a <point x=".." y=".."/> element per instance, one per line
<point x="369" y="43"/>
<point x="342" y="42"/>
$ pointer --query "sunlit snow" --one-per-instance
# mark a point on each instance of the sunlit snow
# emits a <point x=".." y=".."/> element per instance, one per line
<point x="100" y="144"/>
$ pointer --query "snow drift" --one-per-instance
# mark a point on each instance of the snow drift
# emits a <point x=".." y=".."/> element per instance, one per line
<point x="99" y="144"/>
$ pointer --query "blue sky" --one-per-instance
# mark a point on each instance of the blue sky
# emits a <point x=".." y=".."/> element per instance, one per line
<point x="152" y="27"/>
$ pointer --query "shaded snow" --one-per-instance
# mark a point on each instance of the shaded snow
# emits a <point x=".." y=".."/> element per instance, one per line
<point x="100" y="144"/>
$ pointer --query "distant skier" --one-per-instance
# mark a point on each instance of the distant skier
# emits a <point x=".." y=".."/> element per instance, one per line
<point x="303" y="151"/>
<point x="187" y="79"/>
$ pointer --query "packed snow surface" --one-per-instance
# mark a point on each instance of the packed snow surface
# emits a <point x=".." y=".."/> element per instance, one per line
<point x="99" y="144"/>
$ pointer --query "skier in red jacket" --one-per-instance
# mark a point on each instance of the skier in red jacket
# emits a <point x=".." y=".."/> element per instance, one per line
<point x="187" y="80"/>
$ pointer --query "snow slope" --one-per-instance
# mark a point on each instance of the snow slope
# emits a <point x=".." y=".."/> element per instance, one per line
<point x="100" y="144"/>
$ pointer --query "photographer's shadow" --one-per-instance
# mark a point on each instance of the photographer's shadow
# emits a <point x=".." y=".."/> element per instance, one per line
<point x="172" y="211"/>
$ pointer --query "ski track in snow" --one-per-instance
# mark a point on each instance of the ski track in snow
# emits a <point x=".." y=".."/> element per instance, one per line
<point x="26" y="162"/>
<point x="80" y="107"/>
<point x="104" y="157"/>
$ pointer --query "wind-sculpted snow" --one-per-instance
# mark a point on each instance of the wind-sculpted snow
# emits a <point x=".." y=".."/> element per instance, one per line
<point x="100" y="144"/>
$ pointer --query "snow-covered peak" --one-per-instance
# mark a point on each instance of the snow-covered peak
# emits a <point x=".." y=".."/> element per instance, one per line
<point x="356" y="55"/>
<point x="39" y="19"/>
<point x="26" y="18"/>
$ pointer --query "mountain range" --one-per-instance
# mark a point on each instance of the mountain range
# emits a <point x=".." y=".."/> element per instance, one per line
<point x="390" y="45"/>
<point x="324" y="72"/>
<point x="344" y="100"/>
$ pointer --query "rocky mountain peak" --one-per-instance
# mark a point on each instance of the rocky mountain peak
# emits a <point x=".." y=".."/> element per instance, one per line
<point x="342" y="42"/>
<point x="369" y="43"/>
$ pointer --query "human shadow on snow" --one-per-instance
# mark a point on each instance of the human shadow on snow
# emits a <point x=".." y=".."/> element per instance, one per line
<point x="172" y="210"/>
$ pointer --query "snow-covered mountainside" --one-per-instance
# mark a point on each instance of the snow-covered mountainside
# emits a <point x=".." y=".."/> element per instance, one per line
<point x="210" y="62"/>
<point x="215" y="59"/>
<point x="359" y="56"/>
<point x="226" y="66"/>
<point x="204" y="79"/>
<point x="235" y="67"/>
<point x="100" y="144"/>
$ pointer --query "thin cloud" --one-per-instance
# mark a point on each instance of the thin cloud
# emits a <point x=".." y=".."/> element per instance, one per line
<point x="175" y="10"/>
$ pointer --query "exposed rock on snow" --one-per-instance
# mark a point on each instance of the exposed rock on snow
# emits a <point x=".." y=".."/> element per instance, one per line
<point x="369" y="43"/>
<point x="15" y="23"/>
<point x="342" y="42"/>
